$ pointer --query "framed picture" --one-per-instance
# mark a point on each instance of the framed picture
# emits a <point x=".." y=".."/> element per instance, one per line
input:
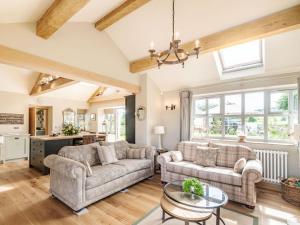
<point x="93" y="116"/>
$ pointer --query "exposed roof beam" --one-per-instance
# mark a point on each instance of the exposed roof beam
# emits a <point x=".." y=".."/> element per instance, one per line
<point x="57" y="15"/>
<point x="58" y="83"/>
<point x="118" y="13"/>
<point x="98" y="92"/>
<point x="283" y="21"/>
<point x="106" y="98"/>
<point x="116" y="101"/>
<point x="47" y="66"/>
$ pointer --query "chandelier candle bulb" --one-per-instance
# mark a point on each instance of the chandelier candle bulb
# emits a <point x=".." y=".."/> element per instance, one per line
<point x="151" y="45"/>
<point x="197" y="43"/>
<point x="177" y="34"/>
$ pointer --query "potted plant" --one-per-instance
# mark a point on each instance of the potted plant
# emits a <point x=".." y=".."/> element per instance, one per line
<point x="193" y="185"/>
<point x="69" y="129"/>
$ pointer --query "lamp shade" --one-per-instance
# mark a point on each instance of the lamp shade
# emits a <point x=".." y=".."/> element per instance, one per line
<point x="159" y="130"/>
<point x="296" y="133"/>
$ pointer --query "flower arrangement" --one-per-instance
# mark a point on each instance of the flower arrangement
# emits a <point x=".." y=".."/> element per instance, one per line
<point x="69" y="129"/>
<point x="192" y="185"/>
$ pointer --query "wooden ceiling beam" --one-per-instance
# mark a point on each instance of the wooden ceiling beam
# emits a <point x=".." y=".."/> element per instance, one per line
<point x="47" y="66"/>
<point x="118" y="13"/>
<point x="57" y="15"/>
<point x="279" y="22"/>
<point x="106" y="98"/>
<point x="58" y="83"/>
<point x="100" y="90"/>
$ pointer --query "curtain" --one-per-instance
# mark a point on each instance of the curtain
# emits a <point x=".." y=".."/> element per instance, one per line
<point x="185" y="114"/>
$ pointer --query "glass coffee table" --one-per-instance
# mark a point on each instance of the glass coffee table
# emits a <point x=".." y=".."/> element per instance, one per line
<point x="213" y="199"/>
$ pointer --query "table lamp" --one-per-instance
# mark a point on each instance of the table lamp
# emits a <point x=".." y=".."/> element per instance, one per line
<point x="159" y="130"/>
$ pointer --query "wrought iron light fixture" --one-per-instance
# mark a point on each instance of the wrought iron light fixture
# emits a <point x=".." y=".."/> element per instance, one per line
<point x="175" y="54"/>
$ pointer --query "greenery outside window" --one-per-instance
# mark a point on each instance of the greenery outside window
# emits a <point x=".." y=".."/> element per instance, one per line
<point x="261" y="115"/>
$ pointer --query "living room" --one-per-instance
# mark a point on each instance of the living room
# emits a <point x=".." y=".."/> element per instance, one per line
<point x="149" y="112"/>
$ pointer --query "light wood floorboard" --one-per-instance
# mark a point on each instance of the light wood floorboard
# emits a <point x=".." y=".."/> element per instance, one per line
<point x="25" y="200"/>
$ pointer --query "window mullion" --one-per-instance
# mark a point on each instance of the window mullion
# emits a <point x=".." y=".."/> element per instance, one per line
<point x="243" y="114"/>
<point x="266" y="113"/>
<point x="222" y="111"/>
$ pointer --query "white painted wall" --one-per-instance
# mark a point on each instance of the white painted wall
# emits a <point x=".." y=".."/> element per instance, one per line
<point x="77" y="44"/>
<point x="59" y="105"/>
<point x="19" y="103"/>
<point x="151" y="98"/>
<point x="170" y="119"/>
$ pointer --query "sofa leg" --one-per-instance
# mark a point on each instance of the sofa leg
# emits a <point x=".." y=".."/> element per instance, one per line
<point x="250" y="207"/>
<point x="163" y="183"/>
<point x="81" y="211"/>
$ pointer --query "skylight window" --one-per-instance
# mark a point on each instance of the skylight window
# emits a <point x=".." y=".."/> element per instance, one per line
<point x="240" y="57"/>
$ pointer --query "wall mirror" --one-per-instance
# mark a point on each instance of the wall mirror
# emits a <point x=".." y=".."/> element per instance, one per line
<point x="69" y="116"/>
<point x="141" y="113"/>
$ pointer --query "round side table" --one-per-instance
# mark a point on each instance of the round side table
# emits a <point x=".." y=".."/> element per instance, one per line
<point x="181" y="212"/>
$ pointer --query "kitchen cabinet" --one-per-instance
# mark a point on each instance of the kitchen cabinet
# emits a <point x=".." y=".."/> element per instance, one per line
<point x="14" y="146"/>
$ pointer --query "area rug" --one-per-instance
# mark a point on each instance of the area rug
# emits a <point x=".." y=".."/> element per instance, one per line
<point x="230" y="218"/>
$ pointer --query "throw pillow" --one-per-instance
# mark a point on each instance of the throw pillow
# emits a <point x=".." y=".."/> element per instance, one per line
<point x="206" y="156"/>
<point x="136" y="153"/>
<point x="240" y="165"/>
<point x="89" y="171"/>
<point x="176" y="156"/>
<point x="107" y="154"/>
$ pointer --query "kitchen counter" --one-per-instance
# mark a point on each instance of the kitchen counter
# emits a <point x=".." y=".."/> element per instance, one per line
<point x="61" y="137"/>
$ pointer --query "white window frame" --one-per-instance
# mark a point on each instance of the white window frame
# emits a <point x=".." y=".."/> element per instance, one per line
<point x="243" y="66"/>
<point x="267" y="97"/>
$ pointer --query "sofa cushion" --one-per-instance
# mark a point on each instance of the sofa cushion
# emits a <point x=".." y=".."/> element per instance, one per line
<point x="107" y="154"/>
<point x="120" y="147"/>
<point x="133" y="165"/>
<point x="206" y="156"/>
<point x="229" y="154"/>
<point x="136" y="153"/>
<point x="81" y="153"/>
<point x="189" y="149"/>
<point x="104" y="174"/>
<point x="218" y="174"/>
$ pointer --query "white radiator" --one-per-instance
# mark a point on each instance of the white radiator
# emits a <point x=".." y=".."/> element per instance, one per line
<point x="274" y="164"/>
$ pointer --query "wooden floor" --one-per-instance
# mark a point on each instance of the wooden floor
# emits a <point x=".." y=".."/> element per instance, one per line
<point x="24" y="200"/>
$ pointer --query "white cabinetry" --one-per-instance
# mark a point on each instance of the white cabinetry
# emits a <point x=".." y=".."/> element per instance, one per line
<point x="15" y="147"/>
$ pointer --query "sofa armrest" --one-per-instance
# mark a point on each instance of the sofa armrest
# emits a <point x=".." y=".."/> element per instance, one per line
<point x="252" y="171"/>
<point x="67" y="180"/>
<point x="65" y="166"/>
<point x="162" y="159"/>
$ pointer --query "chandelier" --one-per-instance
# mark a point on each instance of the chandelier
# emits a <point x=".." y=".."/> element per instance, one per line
<point x="175" y="54"/>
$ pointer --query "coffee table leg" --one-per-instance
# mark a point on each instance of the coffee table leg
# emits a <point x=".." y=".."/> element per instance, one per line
<point x="163" y="216"/>
<point x="186" y="223"/>
<point x="218" y="216"/>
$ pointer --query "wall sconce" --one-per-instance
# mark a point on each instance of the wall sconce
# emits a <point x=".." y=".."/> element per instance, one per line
<point x="172" y="107"/>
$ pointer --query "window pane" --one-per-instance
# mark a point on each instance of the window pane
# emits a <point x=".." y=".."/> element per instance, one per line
<point x="199" y="127"/>
<point x="242" y="55"/>
<point x="254" y="127"/>
<point x="233" y="104"/>
<point x="254" y="103"/>
<point x="214" y="105"/>
<point x="279" y="101"/>
<point x="278" y="127"/>
<point x="200" y="106"/>
<point x="232" y="126"/>
<point x="215" y="126"/>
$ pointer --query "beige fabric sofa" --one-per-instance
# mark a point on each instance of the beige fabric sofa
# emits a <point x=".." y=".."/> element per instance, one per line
<point x="68" y="175"/>
<point x="239" y="187"/>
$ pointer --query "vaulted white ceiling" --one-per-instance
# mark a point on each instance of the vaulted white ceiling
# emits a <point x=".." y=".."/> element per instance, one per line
<point x="193" y="18"/>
